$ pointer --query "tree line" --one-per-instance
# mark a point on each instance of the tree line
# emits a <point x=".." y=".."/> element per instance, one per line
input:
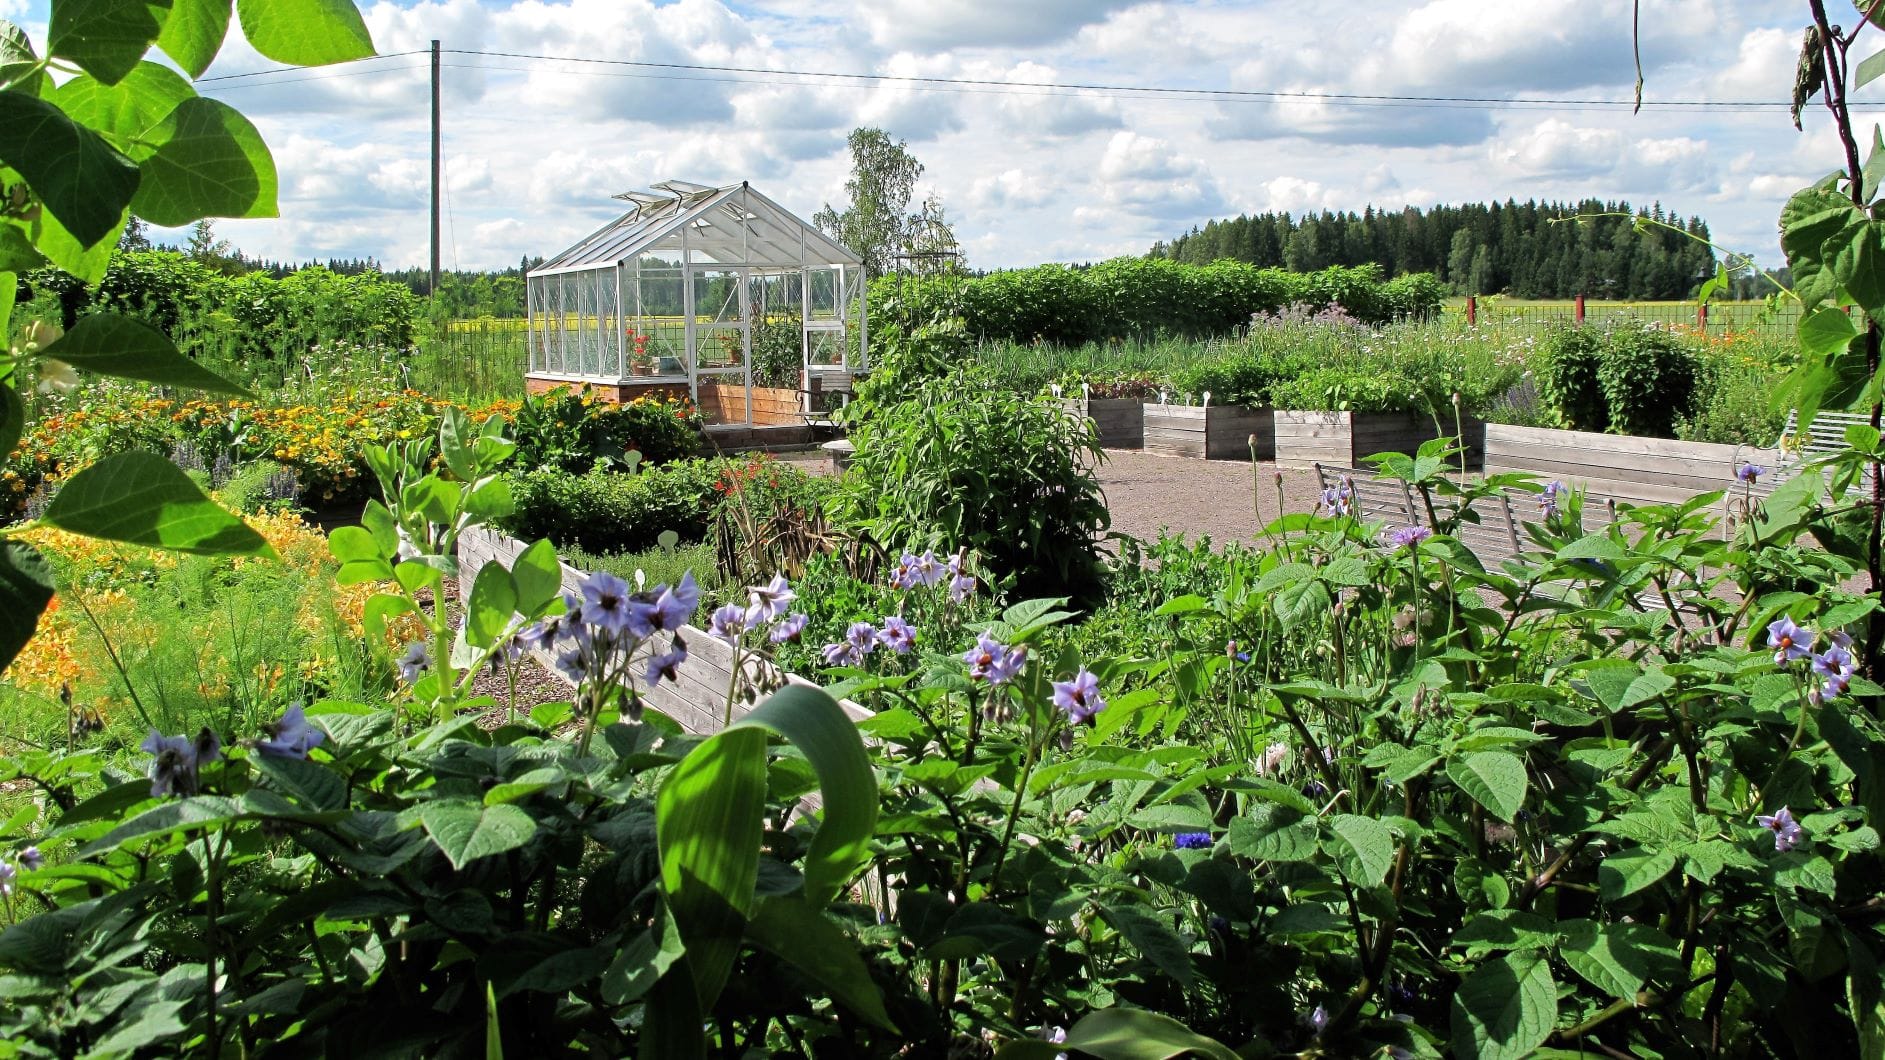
<point x="1532" y="249"/>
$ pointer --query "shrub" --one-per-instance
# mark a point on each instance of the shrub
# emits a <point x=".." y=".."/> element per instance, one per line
<point x="1352" y="389"/>
<point x="1626" y="379"/>
<point x="965" y="464"/>
<point x="1569" y="384"/>
<point x="1244" y="376"/>
<point x="657" y="566"/>
<point x="1734" y="402"/>
<point x="571" y="430"/>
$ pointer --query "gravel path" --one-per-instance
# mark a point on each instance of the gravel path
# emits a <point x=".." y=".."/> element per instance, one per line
<point x="1220" y="499"/>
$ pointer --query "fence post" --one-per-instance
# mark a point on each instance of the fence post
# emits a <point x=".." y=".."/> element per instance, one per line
<point x="1580" y="310"/>
<point x="1701" y="317"/>
<point x="1472" y="310"/>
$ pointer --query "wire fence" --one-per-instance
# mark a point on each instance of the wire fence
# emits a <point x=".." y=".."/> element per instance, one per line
<point x="1774" y="322"/>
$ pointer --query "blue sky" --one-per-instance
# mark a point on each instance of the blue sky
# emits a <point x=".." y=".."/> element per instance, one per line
<point x="534" y="150"/>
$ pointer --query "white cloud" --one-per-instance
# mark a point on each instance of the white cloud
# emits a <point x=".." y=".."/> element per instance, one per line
<point x="928" y="25"/>
<point x="1009" y="189"/>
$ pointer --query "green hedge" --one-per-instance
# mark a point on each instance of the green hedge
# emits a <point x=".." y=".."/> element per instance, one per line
<point x="1147" y="297"/>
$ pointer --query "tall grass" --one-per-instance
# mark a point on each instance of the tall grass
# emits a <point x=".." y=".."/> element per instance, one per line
<point x="470" y="361"/>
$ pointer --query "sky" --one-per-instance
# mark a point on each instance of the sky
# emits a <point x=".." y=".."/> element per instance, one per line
<point x="535" y="149"/>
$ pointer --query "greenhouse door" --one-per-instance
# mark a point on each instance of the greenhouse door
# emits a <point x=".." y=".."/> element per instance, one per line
<point x="722" y="339"/>
<point x="824" y="317"/>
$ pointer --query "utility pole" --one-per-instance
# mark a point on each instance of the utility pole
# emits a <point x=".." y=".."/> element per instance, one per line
<point x="434" y="289"/>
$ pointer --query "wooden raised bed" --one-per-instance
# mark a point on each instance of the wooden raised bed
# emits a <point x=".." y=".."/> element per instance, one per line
<point x="1304" y="438"/>
<point x="1624" y="468"/>
<point x="1214" y="432"/>
<point x="1120" y="422"/>
<point x="726" y="403"/>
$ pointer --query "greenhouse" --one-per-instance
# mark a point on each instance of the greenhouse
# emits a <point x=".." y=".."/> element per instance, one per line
<point x="717" y="293"/>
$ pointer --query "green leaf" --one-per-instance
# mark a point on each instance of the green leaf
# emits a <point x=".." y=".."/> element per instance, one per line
<point x="1152" y="937"/>
<point x="538" y="575"/>
<point x="128" y="109"/>
<point x="106" y="37"/>
<point x="82" y="180"/>
<point x="194" y="33"/>
<point x="84" y="261"/>
<point x="802" y="936"/>
<point x="1274" y="833"/>
<point x="643" y="961"/>
<point x="493" y="1034"/>
<point x="1505" y="929"/>
<point x="121" y="346"/>
<point x="12" y="409"/>
<point x="1183" y="605"/>
<point x="16" y="57"/>
<point x="305" y="32"/>
<point x="17" y="254"/>
<point x="1369" y="843"/>
<point x="143" y="499"/>
<point x="1624" y="874"/>
<point x="1869" y="69"/>
<point x="205" y="160"/>
<point x="1495" y="780"/>
<point x="1617" y="958"/>
<point x="1504" y="1009"/>
<point x="1812" y="217"/>
<point x="26" y="588"/>
<point x="1121" y="1034"/>
<point x="492" y="603"/>
<point x="708" y="830"/>
<point x="466" y="831"/>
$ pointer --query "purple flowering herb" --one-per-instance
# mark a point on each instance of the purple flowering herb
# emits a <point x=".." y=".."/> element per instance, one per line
<point x="1318" y="1020"/>
<point x="1408" y="536"/>
<point x="415" y="662"/>
<point x="789" y="628"/>
<point x="667" y="665"/>
<point x="1787" y="831"/>
<point x="897" y="635"/>
<point x="674" y="605"/>
<point x="290" y="736"/>
<point x="728" y="623"/>
<point x="605" y="602"/>
<point x="1080" y="696"/>
<point x="1747" y="473"/>
<point x="765" y="603"/>
<point x="993" y="662"/>
<point x="1834" y="668"/>
<point x="31" y="859"/>
<point x="1232" y="653"/>
<point x="1192" y="840"/>
<point x="862" y="637"/>
<point x="1548" y="500"/>
<point x="1788" y="640"/>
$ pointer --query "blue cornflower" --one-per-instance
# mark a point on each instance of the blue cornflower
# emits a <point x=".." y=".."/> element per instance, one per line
<point x="1192" y="840"/>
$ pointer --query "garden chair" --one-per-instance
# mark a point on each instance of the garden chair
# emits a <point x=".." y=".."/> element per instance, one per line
<point x="1823" y="436"/>
<point x="818" y="412"/>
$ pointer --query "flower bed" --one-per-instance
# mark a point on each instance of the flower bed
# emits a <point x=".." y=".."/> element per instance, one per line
<point x="1345" y="439"/>
<point x="1213" y="432"/>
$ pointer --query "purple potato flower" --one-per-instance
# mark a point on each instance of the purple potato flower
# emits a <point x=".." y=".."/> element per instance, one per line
<point x="31" y="859"/>
<point x="929" y="571"/>
<point x="993" y="662"/>
<point x="862" y="637"/>
<point x="961" y="587"/>
<point x="1788" y="640"/>
<point x="897" y="635"/>
<point x="291" y="736"/>
<point x="1408" y="536"/>
<point x="666" y="665"/>
<point x="842" y="653"/>
<point x="789" y="628"/>
<point x="1787" y="831"/>
<point x="573" y="663"/>
<point x="765" y="603"/>
<point x="7" y="875"/>
<point x="674" y="605"/>
<point x="728" y="623"/>
<point x="1834" y="668"/>
<point x="1080" y="696"/>
<point x="1192" y="840"/>
<point x="607" y="603"/>
<point x="415" y="662"/>
<point x="905" y="576"/>
<point x="176" y="759"/>
<point x="1747" y="473"/>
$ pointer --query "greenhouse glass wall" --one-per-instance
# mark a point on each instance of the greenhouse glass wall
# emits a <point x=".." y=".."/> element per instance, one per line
<point x="712" y="292"/>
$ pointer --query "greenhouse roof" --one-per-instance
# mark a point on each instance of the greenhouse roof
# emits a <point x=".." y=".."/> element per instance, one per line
<point x="733" y="225"/>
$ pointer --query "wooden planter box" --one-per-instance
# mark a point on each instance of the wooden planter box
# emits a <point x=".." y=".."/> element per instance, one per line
<point x="1625" y="468"/>
<point x="1214" y="432"/>
<point x="1345" y="438"/>
<point x="726" y="403"/>
<point x="1120" y="422"/>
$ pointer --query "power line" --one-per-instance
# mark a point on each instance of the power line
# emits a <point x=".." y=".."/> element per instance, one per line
<point x="297" y="69"/>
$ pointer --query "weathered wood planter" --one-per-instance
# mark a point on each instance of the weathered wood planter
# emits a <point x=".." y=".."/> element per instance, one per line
<point x="1345" y="438"/>
<point x="1119" y="421"/>
<point x="1624" y="468"/>
<point x="1214" y="432"/>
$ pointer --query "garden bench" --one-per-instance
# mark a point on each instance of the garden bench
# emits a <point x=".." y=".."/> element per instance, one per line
<point x="1824" y="436"/>
<point x="1494" y="537"/>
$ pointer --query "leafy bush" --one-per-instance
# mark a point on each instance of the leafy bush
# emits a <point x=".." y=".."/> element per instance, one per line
<point x="1735" y="402"/>
<point x="656" y="566"/>
<point x="1352" y="389"/>
<point x="571" y="430"/>
<point x="1243" y="376"/>
<point x="965" y="464"/>
<point x="1626" y="379"/>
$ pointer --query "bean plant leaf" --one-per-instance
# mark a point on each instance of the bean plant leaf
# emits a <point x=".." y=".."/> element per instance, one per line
<point x="1505" y="1008"/>
<point x="1495" y="780"/>
<point x="1617" y="958"/>
<point x="107" y="38"/>
<point x="1826" y="332"/>
<point x="1369" y="844"/>
<point x="129" y="108"/>
<point x="26" y="587"/>
<point x="16" y="57"/>
<point x="1274" y="833"/>
<point x="83" y="261"/>
<point x="489" y="609"/>
<point x="143" y="499"/>
<point x="82" y="180"/>
<point x="1626" y="873"/>
<point x="194" y="33"/>
<point x="466" y="831"/>
<point x="110" y="344"/>
<point x="1121" y="1034"/>
<point x="1811" y="218"/>
<point x="205" y="160"/>
<point x="305" y="32"/>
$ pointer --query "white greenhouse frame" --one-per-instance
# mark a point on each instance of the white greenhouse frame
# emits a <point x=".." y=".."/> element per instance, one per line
<point x="667" y="293"/>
